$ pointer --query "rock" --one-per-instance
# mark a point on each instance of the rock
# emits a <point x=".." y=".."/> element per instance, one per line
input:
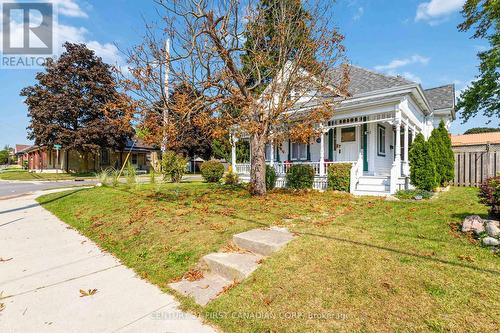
<point x="495" y="223"/>
<point x="492" y="229"/>
<point x="98" y="184"/>
<point x="490" y="241"/>
<point x="391" y="198"/>
<point x="473" y="223"/>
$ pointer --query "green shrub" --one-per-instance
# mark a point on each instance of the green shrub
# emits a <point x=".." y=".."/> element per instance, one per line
<point x="339" y="176"/>
<point x="442" y="154"/>
<point x="231" y="178"/>
<point x="152" y="176"/>
<point x="270" y="177"/>
<point x="490" y="195"/>
<point x="173" y="166"/>
<point x="412" y="194"/>
<point x="422" y="165"/>
<point x="131" y="174"/>
<point x="212" y="171"/>
<point x="300" y="176"/>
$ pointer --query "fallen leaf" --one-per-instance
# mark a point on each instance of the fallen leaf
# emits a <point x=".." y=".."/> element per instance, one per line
<point x="89" y="292"/>
<point x="193" y="275"/>
<point x="3" y="260"/>
<point x="2" y="306"/>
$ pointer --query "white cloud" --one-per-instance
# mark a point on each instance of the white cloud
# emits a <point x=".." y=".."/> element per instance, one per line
<point x="412" y="77"/>
<point x="359" y="13"/>
<point x="70" y="33"/>
<point x="397" y="63"/>
<point x="69" y="8"/>
<point x="436" y="10"/>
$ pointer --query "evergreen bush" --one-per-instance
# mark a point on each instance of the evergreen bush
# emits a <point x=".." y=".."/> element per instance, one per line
<point x="339" y="176"/>
<point x="300" y="176"/>
<point x="212" y="171"/>
<point x="270" y="177"/>
<point x="422" y="165"/>
<point x="442" y="154"/>
<point x="231" y="177"/>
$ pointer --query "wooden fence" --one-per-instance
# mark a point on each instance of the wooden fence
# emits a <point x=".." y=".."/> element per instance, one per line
<point x="475" y="164"/>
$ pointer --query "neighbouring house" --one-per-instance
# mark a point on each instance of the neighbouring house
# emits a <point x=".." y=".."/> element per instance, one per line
<point x="372" y="130"/>
<point x="20" y="154"/>
<point x="45" y="159"/>
<point x="477" y="157"/>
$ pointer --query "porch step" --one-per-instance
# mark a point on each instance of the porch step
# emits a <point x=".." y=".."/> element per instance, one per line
<point x="232" y="266"/>
<point x="373" y="188"/>
<point x="263" y="242"/>
<point x="373" y="193"/>
<point x="374" y="180"/>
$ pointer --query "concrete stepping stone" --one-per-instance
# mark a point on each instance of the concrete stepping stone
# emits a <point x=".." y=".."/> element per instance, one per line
<point x="263" y="241"/>
<point x="224" y="268"/>
<point x="232" y="266"/>
<point x="204" y="290"/>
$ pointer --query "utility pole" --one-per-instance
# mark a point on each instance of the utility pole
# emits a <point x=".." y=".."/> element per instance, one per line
<point x="166" y="95"/>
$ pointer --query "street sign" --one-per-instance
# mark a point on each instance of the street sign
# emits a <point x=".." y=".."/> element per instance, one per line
<point x="57" y="147"/>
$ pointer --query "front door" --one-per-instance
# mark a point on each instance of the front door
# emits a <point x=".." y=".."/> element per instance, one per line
<point x="347" y="149"/>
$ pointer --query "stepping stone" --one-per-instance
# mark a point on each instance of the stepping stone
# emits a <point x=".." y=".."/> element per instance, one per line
<point x="203" y="290"/>
<point x="231" y="266"/>
<point x="263" y="242"/>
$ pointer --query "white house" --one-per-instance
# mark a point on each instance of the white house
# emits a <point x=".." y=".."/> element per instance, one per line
<point x="372" y="130"/>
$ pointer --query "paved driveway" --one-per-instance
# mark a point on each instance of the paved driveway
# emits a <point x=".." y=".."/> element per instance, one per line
<point x="43" y="266"/>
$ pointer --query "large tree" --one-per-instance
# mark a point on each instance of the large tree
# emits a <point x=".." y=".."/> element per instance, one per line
<point x="185" y="122"/>
<point x="483" y="94"/>
<point x="251" y="87"/>
<point x="75" y="103"/>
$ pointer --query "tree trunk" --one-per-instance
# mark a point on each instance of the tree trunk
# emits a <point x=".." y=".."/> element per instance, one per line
<point x="257" y="165"/>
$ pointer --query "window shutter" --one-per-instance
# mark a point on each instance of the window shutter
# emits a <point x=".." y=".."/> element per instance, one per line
<point x="289" y="150"/>
<point x="308" y="152"/>
<point x="330" y="144"/>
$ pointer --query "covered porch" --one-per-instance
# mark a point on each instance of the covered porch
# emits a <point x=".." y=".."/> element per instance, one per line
<point x="376" y="143"/>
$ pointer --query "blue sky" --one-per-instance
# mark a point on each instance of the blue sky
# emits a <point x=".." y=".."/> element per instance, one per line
<point x="414" y="38"/>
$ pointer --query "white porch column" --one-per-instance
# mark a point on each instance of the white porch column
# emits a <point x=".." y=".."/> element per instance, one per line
<point x="322" y="153"/>
<point x="272" y="153"/>
<point x="406" y="168"/>
<point x="396" y="165"/>
<point x="233" y="152"/>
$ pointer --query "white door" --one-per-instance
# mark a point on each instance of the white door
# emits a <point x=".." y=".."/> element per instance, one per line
<point x="347" y="149"/>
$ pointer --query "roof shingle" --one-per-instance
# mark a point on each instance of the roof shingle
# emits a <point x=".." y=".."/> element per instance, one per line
<point x="475" y="139"/>
<point x="441" y="97"/>
<point x="363" y="80"/>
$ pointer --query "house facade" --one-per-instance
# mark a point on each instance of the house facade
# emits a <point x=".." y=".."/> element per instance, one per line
<point x="43" y="159"/>
<point x="372" y="130"/>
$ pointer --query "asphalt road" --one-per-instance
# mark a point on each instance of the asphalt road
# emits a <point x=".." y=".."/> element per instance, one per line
<point x="15" y="188"/>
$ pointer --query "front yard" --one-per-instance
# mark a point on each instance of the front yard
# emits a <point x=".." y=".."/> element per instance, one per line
<point x="359" y="264"/>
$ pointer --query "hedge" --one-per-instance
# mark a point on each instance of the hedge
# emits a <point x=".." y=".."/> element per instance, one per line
<point x="300" y="176"/>
<point x="270" y="177"/>
<point x="212" y="171"/>
<point x="339" y="176"/>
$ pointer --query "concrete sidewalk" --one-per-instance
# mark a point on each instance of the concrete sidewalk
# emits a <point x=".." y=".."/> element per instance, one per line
<point x="43" y="266"/>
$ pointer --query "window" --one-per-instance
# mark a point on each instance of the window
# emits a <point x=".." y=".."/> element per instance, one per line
<point x="134" y="159"/>
<point x="380" y="140"/>
<point x="268" y="152"/>
<point x="104" y="156"/>
<point x="348" y="134"/>
<point x="299" y="151"/>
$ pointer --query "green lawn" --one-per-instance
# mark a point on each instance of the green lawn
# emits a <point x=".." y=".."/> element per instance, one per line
<point x="359" y="264"/>
<point x="16" y="174"/>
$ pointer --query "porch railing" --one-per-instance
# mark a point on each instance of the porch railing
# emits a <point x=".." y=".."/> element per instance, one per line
<point x="282" y="167"/>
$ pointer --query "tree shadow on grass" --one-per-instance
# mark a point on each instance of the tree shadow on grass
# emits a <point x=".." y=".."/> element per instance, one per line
<point x="383" y="248"/>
